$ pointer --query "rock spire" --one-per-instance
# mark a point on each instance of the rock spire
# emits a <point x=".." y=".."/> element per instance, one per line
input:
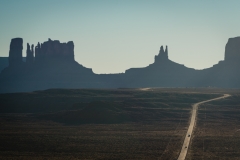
<point x="30" y="52"/>
<point x="162" y="55"/>
<point x="15" y="52"/>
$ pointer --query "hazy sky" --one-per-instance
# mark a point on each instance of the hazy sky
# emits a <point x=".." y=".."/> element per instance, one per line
<point x="111" y="36"/>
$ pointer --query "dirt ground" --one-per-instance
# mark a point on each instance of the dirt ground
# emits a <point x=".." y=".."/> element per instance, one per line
<point x="101" y="124"/>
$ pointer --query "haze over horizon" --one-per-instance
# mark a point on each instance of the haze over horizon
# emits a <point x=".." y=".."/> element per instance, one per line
<point x="112" y="36"/>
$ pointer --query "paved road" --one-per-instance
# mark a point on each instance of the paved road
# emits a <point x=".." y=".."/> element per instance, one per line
<point x="144" y="89"/>
<point x="188" y="136"/>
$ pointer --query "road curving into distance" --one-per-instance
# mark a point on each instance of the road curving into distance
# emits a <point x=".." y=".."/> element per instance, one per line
<point x="188" y="136"/>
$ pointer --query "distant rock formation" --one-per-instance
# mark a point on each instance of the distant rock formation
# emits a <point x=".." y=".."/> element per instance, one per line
<point x="47" y="52"/>
<point x="53" y="66"/>
<point x="15" y="52"/>
<point x="30" y="54"/>
<point x="226" y="73"/>
<point x="162" y="73"/>
<point x="54" y="50"/>
<point x="232" y="50"/>
<point x="162" y="56"/>
<point x="166" y="73"/>
<point x="4" y="62"/>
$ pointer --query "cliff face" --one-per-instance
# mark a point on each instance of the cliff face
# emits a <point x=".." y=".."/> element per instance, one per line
<point x="232" y="50"/>
<point x="54" y="50"/>
<point x="49" y="51"/>
<point x="226" y="73"/>
<point x="53" y="66"/>
<point x="15" y="52"/>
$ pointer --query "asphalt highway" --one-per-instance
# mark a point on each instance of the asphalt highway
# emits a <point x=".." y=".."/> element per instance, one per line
<point x="188" y="136"/>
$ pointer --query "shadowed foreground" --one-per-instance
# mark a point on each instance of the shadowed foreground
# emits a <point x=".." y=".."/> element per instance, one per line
<point x="82" y="124"/>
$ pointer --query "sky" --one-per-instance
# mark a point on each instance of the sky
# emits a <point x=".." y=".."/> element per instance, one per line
<point x="111" y="36"/>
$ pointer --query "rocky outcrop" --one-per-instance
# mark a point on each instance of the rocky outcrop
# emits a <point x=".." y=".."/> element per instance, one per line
<point x="54" y="67"/>
<point x="54" y="50"/>
<point x="162" y="56"/>
<point x="15" y="52"/>
<point x="162" y="73"/>
<point x="232" y="50"/>
<point x="45" y="52"/>
<point x="30" y="52"/>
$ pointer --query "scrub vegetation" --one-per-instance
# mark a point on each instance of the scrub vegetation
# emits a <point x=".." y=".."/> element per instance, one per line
<point x="217" y="133"/>
<point x="96" y="124"/>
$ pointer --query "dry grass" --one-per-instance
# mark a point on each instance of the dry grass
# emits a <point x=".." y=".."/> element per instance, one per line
<point x="24" y="138"/>
<point x="153" y="124"/>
